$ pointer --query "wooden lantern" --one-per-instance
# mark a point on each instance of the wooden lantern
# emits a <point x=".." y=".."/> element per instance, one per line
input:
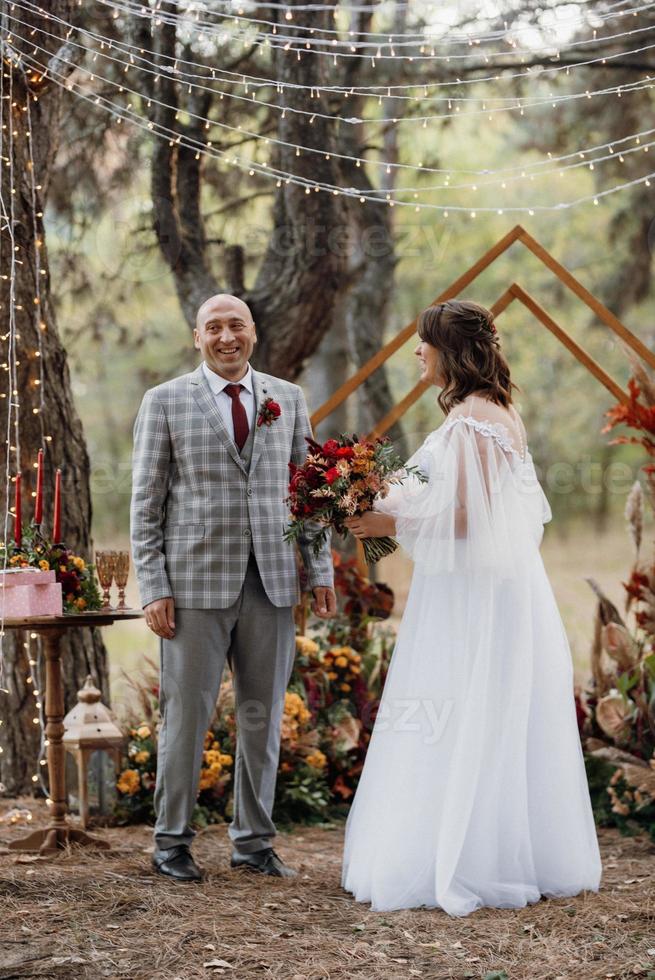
<point x="90" y="727"/>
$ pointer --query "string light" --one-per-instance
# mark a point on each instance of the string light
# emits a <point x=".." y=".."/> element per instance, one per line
<point x="7" y="215"/>
<point x="252" y="81"/>
<point x="291" y="46"/>
<point x="313" y="150"/>
<point x="509" y="103"/>
<point x="33" y="681"/>
<point x="335" y="9"/>
<point x="396" y="39"/>
<point x="128" y="114"/>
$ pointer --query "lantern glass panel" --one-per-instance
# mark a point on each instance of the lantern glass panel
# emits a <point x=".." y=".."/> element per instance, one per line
<point x="100" y="782"/>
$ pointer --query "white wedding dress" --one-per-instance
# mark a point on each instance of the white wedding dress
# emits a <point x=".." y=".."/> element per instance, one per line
<point x="474" y="790"/>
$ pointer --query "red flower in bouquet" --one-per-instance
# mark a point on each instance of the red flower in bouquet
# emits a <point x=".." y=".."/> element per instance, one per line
<point x="269" y="412"/>
<point x="70" y="582"/>
<point x="341" y="478"/>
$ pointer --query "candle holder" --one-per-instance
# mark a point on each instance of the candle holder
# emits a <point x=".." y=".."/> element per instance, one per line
<point x="105" y="562"/>
<point x="121" y="573"/>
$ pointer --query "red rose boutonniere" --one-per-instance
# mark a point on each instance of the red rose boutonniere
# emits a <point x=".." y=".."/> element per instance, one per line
<point x="269" y="412"/>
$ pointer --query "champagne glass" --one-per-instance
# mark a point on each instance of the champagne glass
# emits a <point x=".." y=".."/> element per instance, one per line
<point x="121" y="572"/>
<point x="105" y="565"/>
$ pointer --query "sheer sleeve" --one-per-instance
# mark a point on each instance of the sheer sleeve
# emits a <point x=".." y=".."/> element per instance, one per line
<point x="475" y="512"/>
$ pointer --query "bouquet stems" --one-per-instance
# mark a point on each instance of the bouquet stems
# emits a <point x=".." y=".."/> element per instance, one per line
<point x="376" y="548"/>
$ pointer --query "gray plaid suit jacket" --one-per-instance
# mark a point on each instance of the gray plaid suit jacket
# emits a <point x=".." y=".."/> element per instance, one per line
<point x="196" y="506"/>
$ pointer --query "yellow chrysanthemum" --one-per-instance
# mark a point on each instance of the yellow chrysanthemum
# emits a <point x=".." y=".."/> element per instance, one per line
<point x="295" y="706"/>
<point x="141" y="756"/>
<point x="208" y="778"/>
<point x="341" y="662"/>
<point x="78" y="562"/>
<point x="363" y="466"/>
<point x="332" y="675"/>
<point x="80" y="603"/>
<point x="344" y="687"/>
<point x="129" y="782"/>
<point x="226" y="760"/>
<point x="317" y="759"/>
<point x="306" y="646"/>
<point x="44" y="565"/>
<point x="143" y="731"/>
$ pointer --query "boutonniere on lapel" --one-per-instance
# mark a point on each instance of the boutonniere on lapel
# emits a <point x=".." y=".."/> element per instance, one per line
<point x="269" y="412"/>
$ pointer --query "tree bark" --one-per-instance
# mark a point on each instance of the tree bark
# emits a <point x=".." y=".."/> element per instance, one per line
<point x="55" y="426"/>
<point x="373" y="252"/>
<point x="301" y="281"/>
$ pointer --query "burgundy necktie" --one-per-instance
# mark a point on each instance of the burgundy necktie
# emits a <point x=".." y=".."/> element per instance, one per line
<point x="239" y="416"/>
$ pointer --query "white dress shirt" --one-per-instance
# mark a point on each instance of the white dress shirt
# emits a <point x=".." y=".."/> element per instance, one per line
<point x="223" y="401"/>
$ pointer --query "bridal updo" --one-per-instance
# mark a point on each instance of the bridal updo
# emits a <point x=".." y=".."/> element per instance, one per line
<point x="465" y="335"/>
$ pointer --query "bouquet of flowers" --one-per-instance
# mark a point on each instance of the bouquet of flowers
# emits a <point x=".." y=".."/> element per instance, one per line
<point x="78" y="585"/>
<point x="339" y="479"/>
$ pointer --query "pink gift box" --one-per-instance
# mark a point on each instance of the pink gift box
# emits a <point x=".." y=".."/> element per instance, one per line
<point x="30" y="592"/>
<point x="26" y="576"/>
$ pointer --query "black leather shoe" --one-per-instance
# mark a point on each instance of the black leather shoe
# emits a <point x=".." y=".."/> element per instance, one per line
<point x="265" y="861"/>
<point x="176" y="862"/>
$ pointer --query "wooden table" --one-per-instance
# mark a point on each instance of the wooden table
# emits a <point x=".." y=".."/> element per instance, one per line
<point x="59" y="832"/>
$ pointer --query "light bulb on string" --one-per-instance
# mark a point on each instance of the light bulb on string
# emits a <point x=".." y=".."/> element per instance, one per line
<point x="148" y="66"/>
<point x="312" y="149"/>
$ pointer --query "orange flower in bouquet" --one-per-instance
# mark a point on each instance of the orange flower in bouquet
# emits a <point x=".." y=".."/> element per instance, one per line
<point x="339" y="479"/>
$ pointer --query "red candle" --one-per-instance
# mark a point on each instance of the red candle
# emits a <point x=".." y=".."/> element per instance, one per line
<point x="56" y="524"/>
<point x="38" y="506"/>
<point x="18" y="525"/>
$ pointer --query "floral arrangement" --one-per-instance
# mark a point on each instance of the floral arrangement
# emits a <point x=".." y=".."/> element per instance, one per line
<point x="328" y="716"/>
<point x="78" y="584"/>
<point x="269" y="412"/>
<point x="136" y="781"/>
<point x="339" y="479"/>
<point x="617" y="714"/>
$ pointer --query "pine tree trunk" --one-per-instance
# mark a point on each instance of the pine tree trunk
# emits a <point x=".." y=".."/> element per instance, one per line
<point x="46" y="414"/>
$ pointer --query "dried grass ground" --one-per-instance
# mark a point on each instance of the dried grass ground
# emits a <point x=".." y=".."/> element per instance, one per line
<point x="87" y="915"/>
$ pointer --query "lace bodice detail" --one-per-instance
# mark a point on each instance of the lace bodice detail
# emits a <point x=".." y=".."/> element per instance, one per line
<point x="496" y="430"/>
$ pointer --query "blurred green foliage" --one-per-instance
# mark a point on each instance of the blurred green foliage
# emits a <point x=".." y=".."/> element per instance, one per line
<point x="122" y="325"/>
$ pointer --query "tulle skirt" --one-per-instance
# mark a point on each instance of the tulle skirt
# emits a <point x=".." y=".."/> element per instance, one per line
<point x="474" y="790"/>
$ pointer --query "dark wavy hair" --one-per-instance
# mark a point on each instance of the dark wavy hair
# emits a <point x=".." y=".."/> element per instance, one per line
<point x="464" y="333"/>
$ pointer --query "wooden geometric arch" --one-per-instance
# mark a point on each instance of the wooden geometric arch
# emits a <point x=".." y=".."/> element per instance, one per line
<point x="513" y="292"/>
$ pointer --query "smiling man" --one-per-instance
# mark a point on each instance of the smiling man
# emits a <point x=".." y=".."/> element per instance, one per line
<point x="217" y="580"/>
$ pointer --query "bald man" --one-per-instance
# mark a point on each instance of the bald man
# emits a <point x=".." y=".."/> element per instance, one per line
<point x="217" y="580"/>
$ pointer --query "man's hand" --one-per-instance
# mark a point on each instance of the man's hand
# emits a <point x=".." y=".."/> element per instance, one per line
<point x="372" y="524"/>
<point x="325" y="602"/>
<point x="160" y="617"/>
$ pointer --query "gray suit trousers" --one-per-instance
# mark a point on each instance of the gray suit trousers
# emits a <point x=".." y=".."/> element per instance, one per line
<point x="258" y="641"/>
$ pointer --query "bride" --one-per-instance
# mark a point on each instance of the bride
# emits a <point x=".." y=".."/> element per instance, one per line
<point x="474" y="790"/>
